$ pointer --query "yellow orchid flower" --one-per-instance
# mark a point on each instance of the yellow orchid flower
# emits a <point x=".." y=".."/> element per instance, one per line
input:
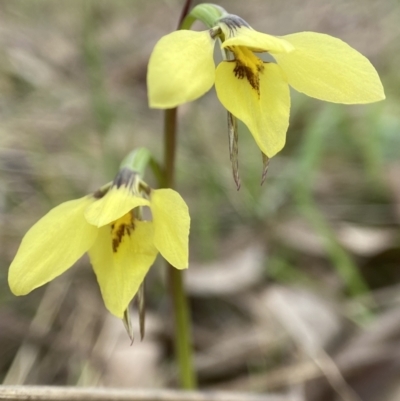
<point x="181" y="69"/>
<point x="107" y="225"/>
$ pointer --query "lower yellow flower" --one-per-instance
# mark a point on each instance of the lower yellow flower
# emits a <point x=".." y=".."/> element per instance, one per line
<point x="108" y="225"/>
<point x="181" y="69"/>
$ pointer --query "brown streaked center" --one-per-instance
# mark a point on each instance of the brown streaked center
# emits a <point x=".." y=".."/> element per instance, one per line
<point x="247" y="66"/>
<point x="121" y="227"/>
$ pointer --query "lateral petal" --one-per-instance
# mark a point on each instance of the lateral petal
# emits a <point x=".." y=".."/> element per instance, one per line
<point x="181" y="68"/>
<point x="254" y="40"/>
<point x="171" y="226"/>
<point x="120" y="273"/>
<point x="266" y="113"/>
<point x="327" y="68"/>
<point x="114" y="204"/>
<point x="51" y="246"/>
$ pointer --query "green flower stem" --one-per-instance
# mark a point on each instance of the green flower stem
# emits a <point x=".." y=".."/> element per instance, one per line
<point x="170" y="128"/>
<point x="183" y="346"/>
<point x="183" y="343"/>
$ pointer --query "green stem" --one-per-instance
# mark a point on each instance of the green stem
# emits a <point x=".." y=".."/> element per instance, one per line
<point x="170" y="128"/>
<point x="183" y="346"/>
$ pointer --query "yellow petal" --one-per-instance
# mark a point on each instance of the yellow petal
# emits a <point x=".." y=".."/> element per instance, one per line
<point x="171" y="226"/>
<point x="115" y="204"/>
<point x="120" y="273"/>
<point x="255" y="41"/>
<point x="326" y="68"/>
<point x="266" y="114"/>
<point x="181" y="68"/>
<point x="51" y="246"/>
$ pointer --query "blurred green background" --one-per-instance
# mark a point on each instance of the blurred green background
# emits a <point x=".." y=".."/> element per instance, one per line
<point x="307" y="263"/>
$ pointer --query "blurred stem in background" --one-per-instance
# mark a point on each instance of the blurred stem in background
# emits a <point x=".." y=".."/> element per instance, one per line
<point x="103" y="112"/>
<point x="371" y="145"/>
<point x="309" y="158"/>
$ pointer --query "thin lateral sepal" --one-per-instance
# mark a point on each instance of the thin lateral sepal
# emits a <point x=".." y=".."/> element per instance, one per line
<point x="233" y="137"/>
<point x="265" y="160"/>
<point x="128" y="324"/>
<point x="234" y="148"/>
<point x="209" y="14"/>
<point x="141" y="305"/>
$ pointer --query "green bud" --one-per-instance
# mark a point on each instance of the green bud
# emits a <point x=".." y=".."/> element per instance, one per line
<point x="209" y="14"/>
<point x="138" y="161"/>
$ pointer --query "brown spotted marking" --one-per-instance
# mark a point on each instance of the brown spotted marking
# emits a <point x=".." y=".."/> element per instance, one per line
<point x="253" y="77"/>
<point x="248" y="66"/>
<point x="120" y="228"/>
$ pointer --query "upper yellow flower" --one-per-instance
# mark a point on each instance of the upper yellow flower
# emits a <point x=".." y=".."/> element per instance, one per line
<point x="107" y="225"/>
<point x="181" y="69"/>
